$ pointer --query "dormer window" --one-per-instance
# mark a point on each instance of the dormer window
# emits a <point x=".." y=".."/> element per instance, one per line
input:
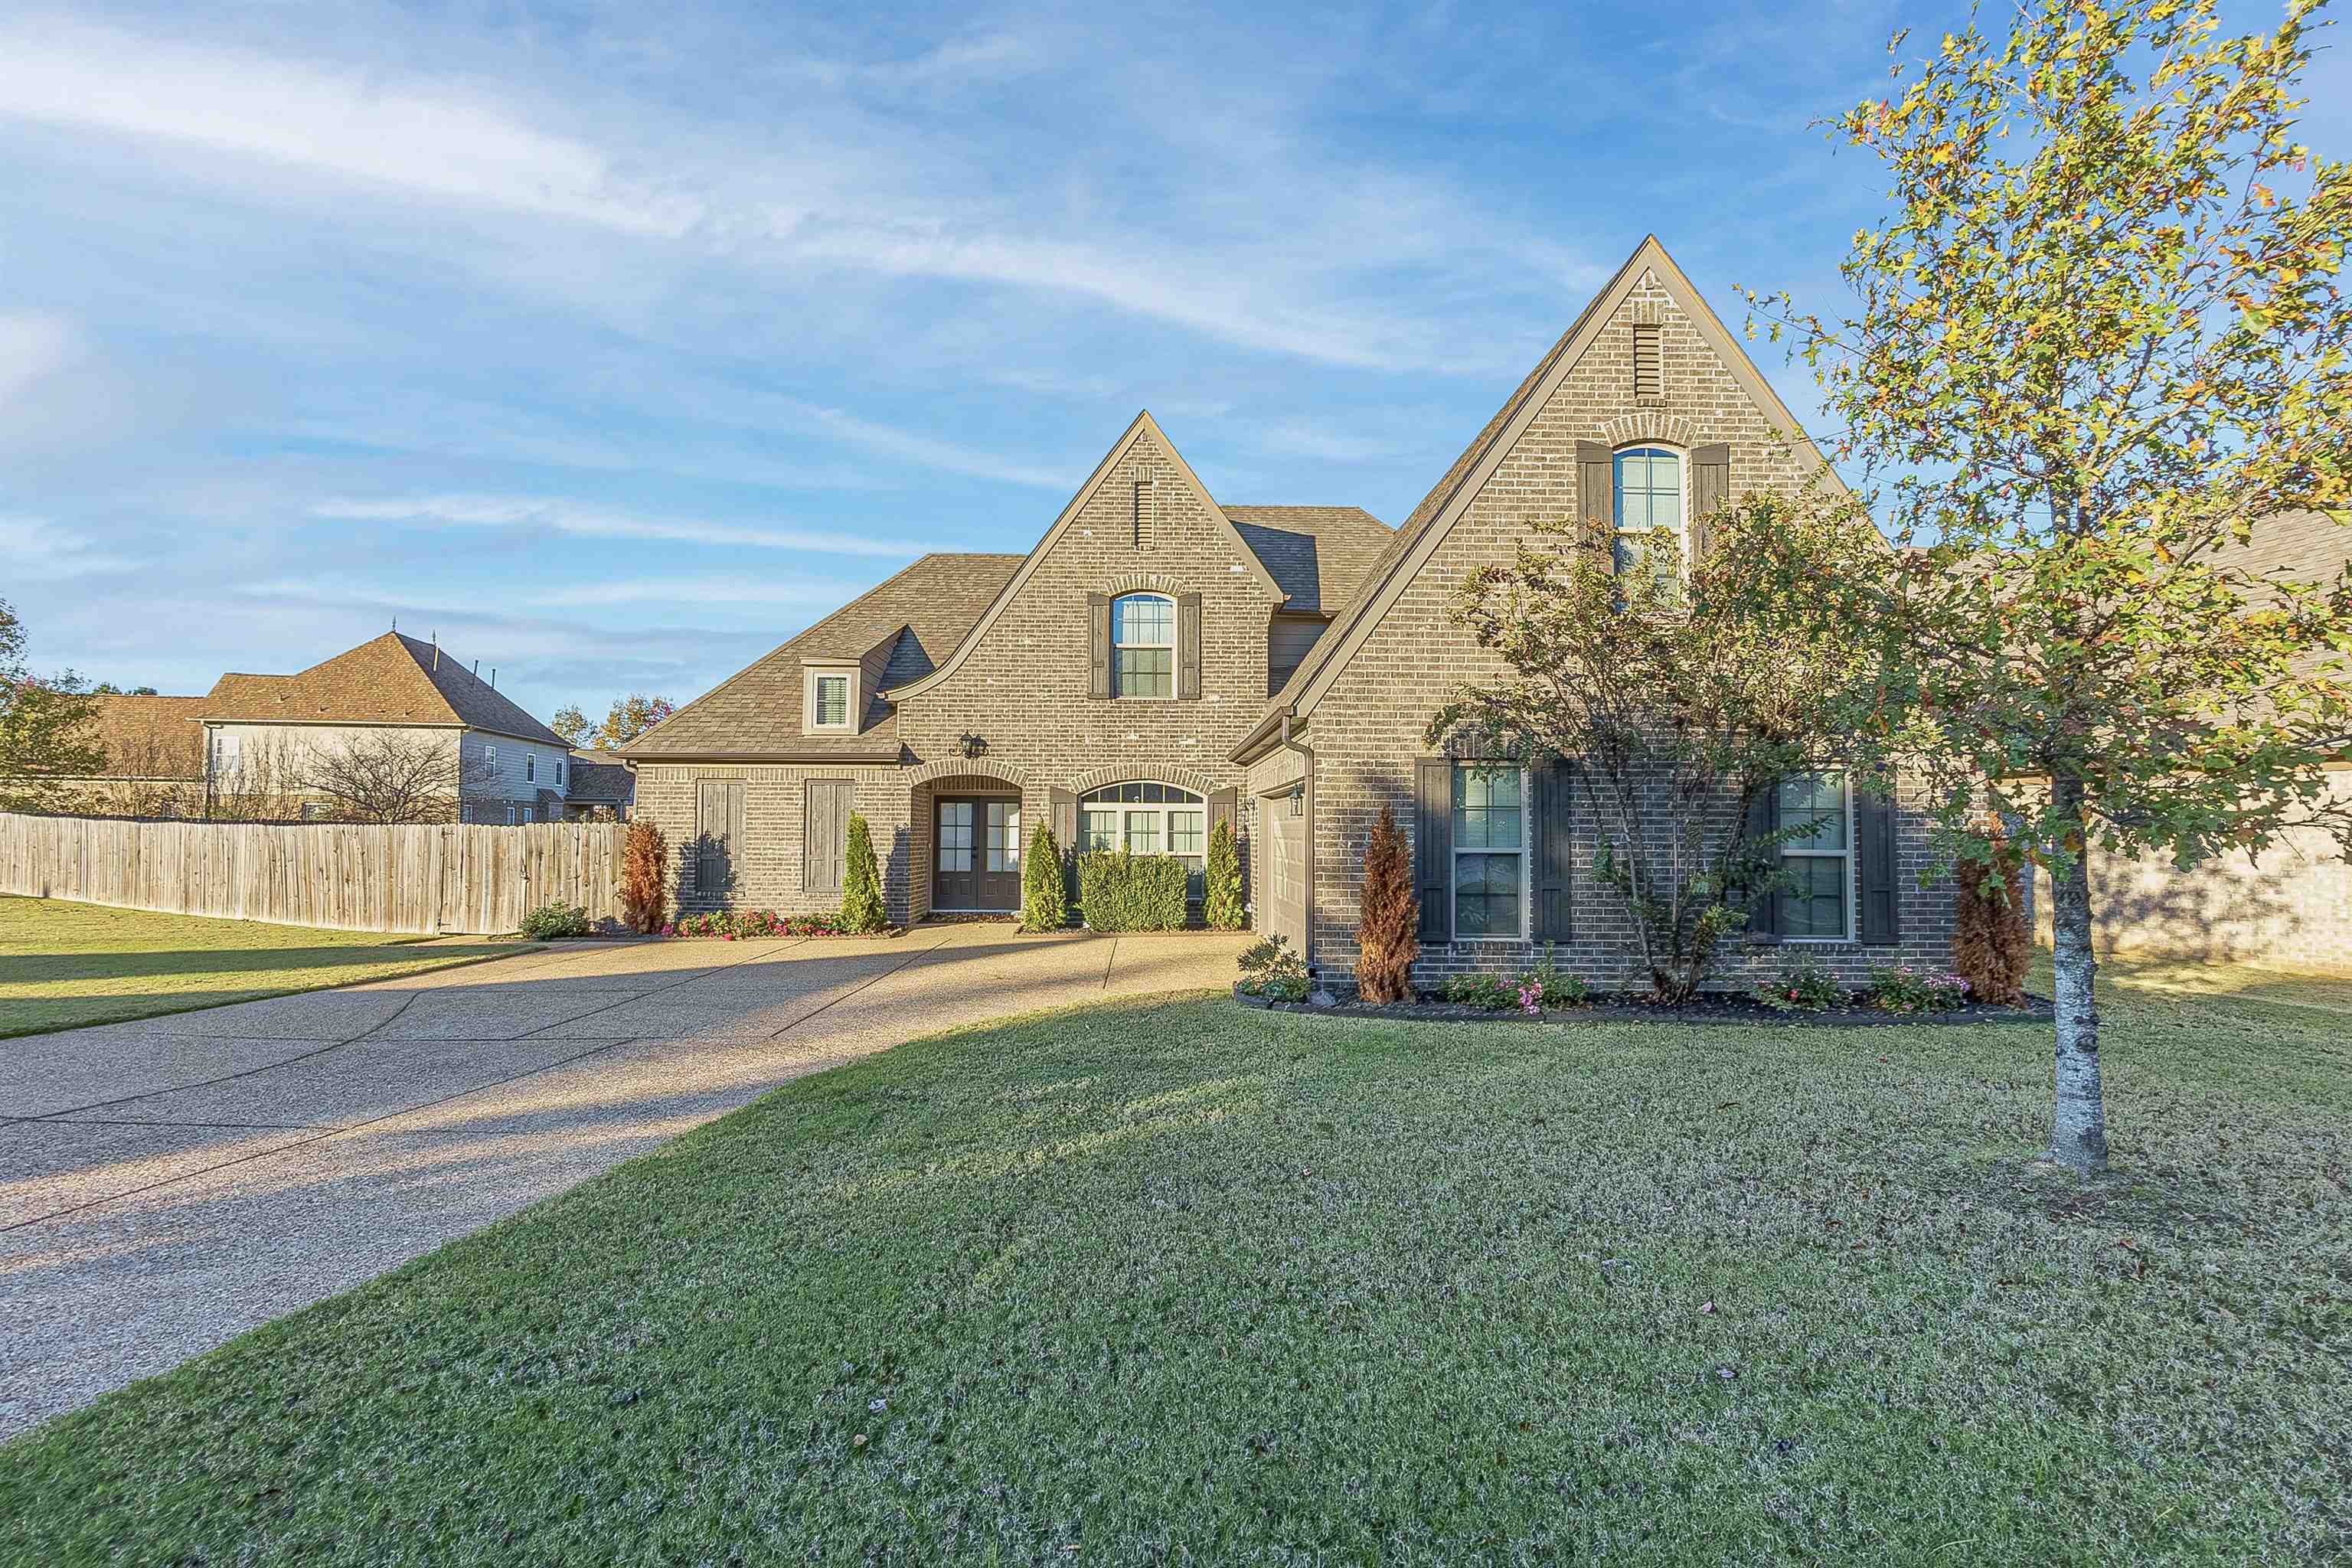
<point x="830" y="701"/>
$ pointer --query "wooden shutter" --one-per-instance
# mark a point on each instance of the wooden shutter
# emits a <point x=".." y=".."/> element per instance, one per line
<point x="1596" y="497"/>
<point x="719" y="830"/>
<point x="1433" y="845"/>
<point x="1188" y="644"/>
<point x="1099" y="644"/>
<point x="1221" y="808"/>
<point x="824" y="834"/>
<point x="1874" y="833"/>
<point x="1763" y="821"/>
<point x="1554" y="849"/>
<point x="1710" y="491"/>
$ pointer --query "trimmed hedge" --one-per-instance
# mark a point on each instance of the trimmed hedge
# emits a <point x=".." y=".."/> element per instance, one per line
<point x="1119" y="891"/>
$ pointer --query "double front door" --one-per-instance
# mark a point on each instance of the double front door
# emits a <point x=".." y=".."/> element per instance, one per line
<point x="975" y="853"/>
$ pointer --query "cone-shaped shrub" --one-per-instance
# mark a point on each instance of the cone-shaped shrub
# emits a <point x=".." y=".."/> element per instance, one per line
<point x="1222" y="905"/>
<point x="1386" y="945"/>
<point x="861" y="883"/>
<point x="1990" y="945"/>
<point x="1045" y="900"/>
<point x="645" y="878"/>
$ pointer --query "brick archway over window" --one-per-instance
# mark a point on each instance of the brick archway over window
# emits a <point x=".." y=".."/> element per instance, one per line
<point x="1192" y="779"/>
<point x="967" y="768"/>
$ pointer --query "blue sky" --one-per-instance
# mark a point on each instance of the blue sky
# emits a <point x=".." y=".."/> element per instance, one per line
<point x="618" y="342"/>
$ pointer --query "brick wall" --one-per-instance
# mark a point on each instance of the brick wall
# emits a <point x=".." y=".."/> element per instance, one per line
<point x="1367" y="729"/>
<point x="2291" y="905"/>
<point x="1023" y="689"/>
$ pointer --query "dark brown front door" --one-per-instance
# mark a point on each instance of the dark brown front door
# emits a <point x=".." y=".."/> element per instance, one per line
<point x="975" y="853"/>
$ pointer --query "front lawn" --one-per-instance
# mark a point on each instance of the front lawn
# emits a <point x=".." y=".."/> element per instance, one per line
<point x="64" y="964"/>
<point x="1176" y="1282"/>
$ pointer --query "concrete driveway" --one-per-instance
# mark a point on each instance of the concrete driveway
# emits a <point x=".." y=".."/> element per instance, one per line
<point x="167" y="1185"/>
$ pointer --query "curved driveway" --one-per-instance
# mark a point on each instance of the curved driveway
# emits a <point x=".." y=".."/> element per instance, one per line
<point x="167" y="1185"/>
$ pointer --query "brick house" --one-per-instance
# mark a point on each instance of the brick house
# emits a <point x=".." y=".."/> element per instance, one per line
<point x="1159" y="662"/>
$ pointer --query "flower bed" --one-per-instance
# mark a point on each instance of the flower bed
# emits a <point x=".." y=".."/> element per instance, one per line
<point x="734" y="925"/>
<point x="1618" y="1007"/>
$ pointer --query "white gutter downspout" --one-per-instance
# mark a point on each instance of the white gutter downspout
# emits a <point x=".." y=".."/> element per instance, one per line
<point x="1307" y="845"/>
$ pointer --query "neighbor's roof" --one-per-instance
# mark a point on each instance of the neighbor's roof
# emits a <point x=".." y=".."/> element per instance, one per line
<point x="149" y="737"/>
<point x="1317" y="554"/>
<point x="599" y="779"/>
<point x="393" y="680"/>
<point x="929" y="607"/>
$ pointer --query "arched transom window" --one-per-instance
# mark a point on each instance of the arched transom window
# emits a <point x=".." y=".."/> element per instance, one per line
<point x="1649" y="494"/>
<point x="1149" y="819"/>
<point x="1143" y="646"/>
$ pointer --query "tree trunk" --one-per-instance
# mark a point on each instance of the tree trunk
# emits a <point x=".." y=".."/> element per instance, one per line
<point x="2078" y="1136"/>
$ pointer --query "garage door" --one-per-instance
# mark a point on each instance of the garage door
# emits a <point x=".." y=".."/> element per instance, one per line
<point x="1282" y="873"/>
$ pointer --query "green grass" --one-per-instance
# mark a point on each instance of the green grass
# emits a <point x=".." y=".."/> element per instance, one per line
<point x="2252" y="982"/>
<point x="64" y="964"/>
<point x="1175" y="1282"/>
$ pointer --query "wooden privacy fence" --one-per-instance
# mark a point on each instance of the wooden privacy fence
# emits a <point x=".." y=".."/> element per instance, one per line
<point x="457" y="878"/>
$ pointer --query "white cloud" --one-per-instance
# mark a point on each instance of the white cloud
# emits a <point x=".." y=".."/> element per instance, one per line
<point x="565" y="517"/>
<point x="735" y="590"/>
<point x="39" y="551"/>
<point x="341" y="122"/>
<point x="34" y="344"/>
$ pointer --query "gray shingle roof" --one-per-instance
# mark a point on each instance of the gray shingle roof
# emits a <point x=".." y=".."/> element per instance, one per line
<point x="599" y="779"/>
<point x="931" y="606"/>
<point x="1316" y="553"/>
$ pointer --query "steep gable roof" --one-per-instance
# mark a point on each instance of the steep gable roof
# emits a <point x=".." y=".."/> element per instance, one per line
<point x="1317" y="554"/>
<point x="1144" y="427"/>
<point x="390" y="680"/>
<point x="929" y="609"/>
<point x="1418" y="537"/>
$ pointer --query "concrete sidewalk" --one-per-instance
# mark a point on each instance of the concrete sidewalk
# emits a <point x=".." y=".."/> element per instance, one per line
<point x="169" y="1184"/>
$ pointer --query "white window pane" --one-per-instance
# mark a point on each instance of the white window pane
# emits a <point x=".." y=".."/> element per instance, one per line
<point x="833" y="699"/>
<point x="1143" y="619"/>
<point x="1098" y="830"/>
<point x="1143" y="832"/>
<point x="1487" y="895"/>
<point x="1184" y="833"/>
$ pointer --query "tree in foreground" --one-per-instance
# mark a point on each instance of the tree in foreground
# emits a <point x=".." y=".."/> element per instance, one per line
<point x="43" y="736"/>
<point x="645" y="878"/>
<point x="1680" y="696"/>
<point x="1221" y="907"/>
<point x="2099" y="344"/>
<point x="1386" y="943"/>
<point x="861" y="883"/>
<point x="1045" y="896"/>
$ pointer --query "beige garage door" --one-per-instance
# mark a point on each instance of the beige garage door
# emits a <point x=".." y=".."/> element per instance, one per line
<point x="1282" y="873"/>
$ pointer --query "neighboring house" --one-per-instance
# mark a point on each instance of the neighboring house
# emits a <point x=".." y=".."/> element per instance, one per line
<point x="2289" y="905"/>
<point x="155" y="757"/>
<point x="1115" y="680"/>
<point x="599" y="788"/>
<point x="265" y="735"/>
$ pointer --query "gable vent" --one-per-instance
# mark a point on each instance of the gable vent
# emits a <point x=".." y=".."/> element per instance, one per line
<point x="1649" y="370"/>
<point x="1142" y="534"/>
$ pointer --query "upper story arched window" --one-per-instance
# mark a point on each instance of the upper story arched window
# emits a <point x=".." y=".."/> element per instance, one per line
<point x="1143" y="646"/>
<point x="1648" y="495"/>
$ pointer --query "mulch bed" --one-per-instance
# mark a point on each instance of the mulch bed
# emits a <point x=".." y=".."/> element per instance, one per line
<point x="1728" y="1008"/>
